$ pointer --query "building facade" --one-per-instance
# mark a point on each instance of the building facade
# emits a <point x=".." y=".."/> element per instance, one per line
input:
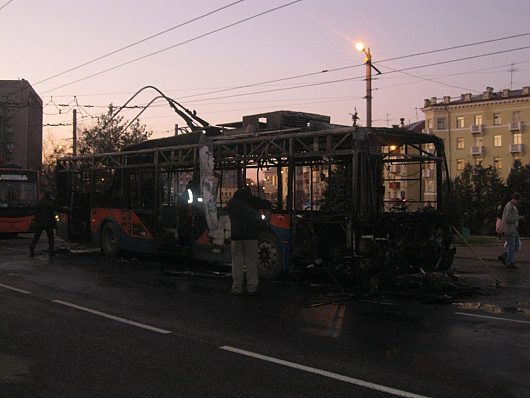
<point x="490" y="129"/>
<point x="20" y="125"/>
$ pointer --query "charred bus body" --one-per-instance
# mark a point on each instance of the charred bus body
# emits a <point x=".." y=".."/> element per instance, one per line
<point x="363" y="199"/>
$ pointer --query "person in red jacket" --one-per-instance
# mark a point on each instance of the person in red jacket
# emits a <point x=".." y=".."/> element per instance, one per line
<point x="246" y="224"/>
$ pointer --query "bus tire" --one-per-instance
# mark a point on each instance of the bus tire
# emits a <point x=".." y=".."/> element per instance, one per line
<point x="110" y="243"/>
<point x="270" y="258"/>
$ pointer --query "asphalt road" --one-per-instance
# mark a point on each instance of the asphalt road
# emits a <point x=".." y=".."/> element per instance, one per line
<point x="82" y="325"/>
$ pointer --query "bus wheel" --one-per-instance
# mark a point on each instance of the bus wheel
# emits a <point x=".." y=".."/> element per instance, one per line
<point x="270" y="260"/>
<point x="109" y="240"/>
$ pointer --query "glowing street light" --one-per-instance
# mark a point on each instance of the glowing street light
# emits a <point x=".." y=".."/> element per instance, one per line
<point x="368" y="62"/>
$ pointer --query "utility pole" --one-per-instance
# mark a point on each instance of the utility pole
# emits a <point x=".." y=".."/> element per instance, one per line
<point x="74" y="133"/>
<point x="368" y="66"/>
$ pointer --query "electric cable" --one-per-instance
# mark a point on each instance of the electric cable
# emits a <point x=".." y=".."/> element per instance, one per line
<point x="138" y="42"/>
<point x="359" y="65"/>
<point x="363" y="77"/>
<point x="177" y="45"/>
<point x="5" y="5"/>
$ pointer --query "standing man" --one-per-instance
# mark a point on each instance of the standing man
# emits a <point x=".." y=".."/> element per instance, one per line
<point x="510" y="223"/>
<point x="246" y="224"/>
<point x="44" y="221"/>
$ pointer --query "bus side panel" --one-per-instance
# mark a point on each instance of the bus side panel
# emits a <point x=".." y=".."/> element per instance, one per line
<point x="133" y="234"/>
<point x="284" y="238"/>
<point x="9" y="225"/>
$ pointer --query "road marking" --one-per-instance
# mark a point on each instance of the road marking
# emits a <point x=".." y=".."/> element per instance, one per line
<point x="497" y="318"/>
<point x="325" y="373"/>
<point x="14" y="250"/>
<point x="114" y="318"/>
<point x="14" y="289"/>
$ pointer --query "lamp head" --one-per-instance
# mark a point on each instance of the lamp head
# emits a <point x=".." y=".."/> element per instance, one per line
<point x="359" y="46"/>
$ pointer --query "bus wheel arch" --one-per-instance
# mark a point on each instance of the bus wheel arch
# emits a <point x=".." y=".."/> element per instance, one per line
<point x="110" y="240"/>
<point x="270" y="256"/>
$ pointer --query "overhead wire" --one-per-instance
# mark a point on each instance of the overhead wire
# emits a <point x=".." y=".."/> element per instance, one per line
<point x="359" y="77"/>
<point x="6" y="4"/>
<point x="359" y="65"/>
<point x="363" y="77"/>
<point x="139" y="41"/>
<point x="177" y="45"/>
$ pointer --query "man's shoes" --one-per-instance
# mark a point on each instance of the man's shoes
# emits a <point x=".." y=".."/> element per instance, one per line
<point x="31" y="252"/>
<point x="236" y="293"/>
<point x="502" y="259"/>
<point x="512" y="266"/>
<point x="253" y="294"/>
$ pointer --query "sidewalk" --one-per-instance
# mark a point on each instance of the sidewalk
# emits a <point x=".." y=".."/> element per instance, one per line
<point x="491" y="248"/>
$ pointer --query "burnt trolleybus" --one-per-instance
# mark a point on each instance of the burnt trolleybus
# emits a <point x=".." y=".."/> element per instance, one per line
<point x="364" y="199"/>
<point x="18" y="197"/>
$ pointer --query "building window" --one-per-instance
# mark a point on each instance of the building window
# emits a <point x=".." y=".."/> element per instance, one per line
<point x="479" y="161"/>
<point x="429" y="123"/>
<point x="497" y="140"/>
<point x="459" y="122"/>
<point x="478" y="120"/>
<point x="496" y="119"/>
<point x="460" y="143"/>
<point x="516" y="116"/>
<point x="440" y="123"/>
<point x="460" y="164"/>
<point x="477" y="140"/>
<point x="497" y="163"/>
<point x="517" y="138"/>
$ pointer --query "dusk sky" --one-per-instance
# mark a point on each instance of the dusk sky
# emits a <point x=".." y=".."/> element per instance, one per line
<point x="40" y="39"/>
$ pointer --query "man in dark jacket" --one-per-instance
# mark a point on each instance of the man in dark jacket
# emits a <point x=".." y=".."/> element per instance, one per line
<point x="246" y="224"/>
<point x="44" y="220"/>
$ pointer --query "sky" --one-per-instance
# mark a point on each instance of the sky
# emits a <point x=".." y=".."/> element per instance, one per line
<point x="278" y="55"/>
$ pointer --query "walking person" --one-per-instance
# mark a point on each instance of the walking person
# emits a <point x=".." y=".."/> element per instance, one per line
<point x="246" y="224"/>
<point x="44" y="220"/>
<point x="510" y="224"/>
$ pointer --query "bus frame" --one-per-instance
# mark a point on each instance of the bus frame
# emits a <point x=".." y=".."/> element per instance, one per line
<point x="363" y="231"/>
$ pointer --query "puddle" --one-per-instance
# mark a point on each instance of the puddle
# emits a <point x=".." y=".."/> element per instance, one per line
<point x="520" y="307"/>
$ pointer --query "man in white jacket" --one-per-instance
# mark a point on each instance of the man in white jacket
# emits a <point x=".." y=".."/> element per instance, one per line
<point x="510" y="223"/>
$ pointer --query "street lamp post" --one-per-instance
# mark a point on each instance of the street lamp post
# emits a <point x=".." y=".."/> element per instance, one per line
<point x="368" y="67"/>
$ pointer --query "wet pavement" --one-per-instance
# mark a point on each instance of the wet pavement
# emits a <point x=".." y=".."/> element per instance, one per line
<point x="442" y="337"/>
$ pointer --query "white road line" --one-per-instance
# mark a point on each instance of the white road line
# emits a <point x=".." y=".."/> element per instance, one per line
<point x="497" y="318"/>
<point x="14" y="250"/>
<point x="114" y="318"/>
<point x="14" y="289"/>
<point x="336" y="376"/>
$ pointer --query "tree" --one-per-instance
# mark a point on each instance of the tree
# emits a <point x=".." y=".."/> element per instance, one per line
<point x="51" y="151"/>
<point x="478" y="191"/>
<point x="109" y="135"/>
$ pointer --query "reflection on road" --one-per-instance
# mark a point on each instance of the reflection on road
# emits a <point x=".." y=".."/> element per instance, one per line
<point x="519" y="307"/>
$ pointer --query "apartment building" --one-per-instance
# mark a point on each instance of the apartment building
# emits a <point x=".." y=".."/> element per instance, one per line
<point x="20" y="124"/>
<point x="488" y="129"/>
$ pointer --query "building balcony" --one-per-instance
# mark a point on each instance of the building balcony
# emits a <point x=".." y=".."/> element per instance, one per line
<point x="516" y="148"/>
<point x="515" y="126"/>
<point x="477" y="129"/>
<point x="477" y="150"/>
